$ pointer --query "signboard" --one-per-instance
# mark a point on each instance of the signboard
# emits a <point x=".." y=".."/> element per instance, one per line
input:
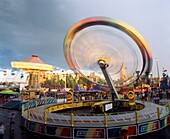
<point x="108" y="106"/>
<point x="89" y="133"/>
<point x="148" y="127"/>
<point x="115" y="132"/>
<point x="58" y="131"/>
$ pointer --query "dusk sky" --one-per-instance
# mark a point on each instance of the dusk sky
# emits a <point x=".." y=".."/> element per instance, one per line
<point x="39" y="26"/>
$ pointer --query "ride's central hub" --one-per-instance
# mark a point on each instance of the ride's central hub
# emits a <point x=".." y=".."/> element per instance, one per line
<point x="103" y="63"/>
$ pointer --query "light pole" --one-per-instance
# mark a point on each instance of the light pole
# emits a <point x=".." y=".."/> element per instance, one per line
<point x="6" y="78"/>
<point x="157" y="70"/>
<point x="64" y="77"/>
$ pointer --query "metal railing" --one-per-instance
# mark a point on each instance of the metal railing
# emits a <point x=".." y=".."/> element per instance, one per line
<point x="150" y="112"/>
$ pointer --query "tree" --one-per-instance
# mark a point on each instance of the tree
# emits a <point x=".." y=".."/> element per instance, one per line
<point x="61" y="83"/>
<point x="51" y="82"/>
<point x="70" y="81"/>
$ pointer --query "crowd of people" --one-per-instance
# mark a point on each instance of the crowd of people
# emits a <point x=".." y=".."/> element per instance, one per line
<point x="154" y="95"/>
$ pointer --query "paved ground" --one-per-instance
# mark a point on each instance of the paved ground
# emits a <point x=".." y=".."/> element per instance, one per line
<point x="18" y="133"/>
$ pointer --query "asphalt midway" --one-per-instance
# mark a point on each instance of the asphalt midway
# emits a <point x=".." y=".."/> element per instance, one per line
<point x="19" y="132"/>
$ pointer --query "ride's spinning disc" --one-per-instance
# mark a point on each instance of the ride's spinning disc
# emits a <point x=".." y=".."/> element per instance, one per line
<point x="113" y="41"/>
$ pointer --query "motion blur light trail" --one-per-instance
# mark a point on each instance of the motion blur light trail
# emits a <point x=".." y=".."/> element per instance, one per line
<point x="94" y="38"/>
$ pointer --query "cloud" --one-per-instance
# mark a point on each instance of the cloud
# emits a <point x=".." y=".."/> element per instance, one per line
<point x="39" y="26"/>
<point x="33" y="27"/>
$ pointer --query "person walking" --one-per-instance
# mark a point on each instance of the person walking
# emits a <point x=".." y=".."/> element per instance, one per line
<point x="12" y="122"/>
<point x="2" y="128"/>
<point x="12" y="119"/>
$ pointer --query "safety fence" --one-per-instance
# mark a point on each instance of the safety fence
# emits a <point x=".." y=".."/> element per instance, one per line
<point x="40" y="114"/>
<point x="153" y="117"/>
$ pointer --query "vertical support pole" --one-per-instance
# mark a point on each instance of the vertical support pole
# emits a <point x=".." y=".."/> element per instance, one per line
<point x="103" y="65"/>
<point x="28" y="111"/>
<point x="158" y="112"/>
<point x="22" y="111"/>
<point x="147" y="99"/>
<point x="45" y="101"/>
<point x="102" y="107"/>
<point x="105" y="119"/>
<point x="72" y="119"/>
<point x="165" y="101"/>
<point x="136" y="117"/>
<point x="158" y="72"/>
<point x="28" y="114"/>
<point x="101" y="96"/>
<point x="36" y="103"/>
<point x="169" y="107"/>
<point x="45" y="117"/>
<point x="27" y="97"/>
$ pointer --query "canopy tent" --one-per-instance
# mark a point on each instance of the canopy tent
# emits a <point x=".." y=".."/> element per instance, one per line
<point x="77" y="88"/>
<point x="95" y="90"/>
<point x="33" y="63"/>
<point x="7" y="91"/>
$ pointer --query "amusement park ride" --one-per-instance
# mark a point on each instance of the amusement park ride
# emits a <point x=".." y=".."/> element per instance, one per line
<point x="34" y="66"/>
<point x="108" y="47"/>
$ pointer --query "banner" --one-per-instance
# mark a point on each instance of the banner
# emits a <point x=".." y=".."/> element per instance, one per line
<point x="168" y="120"/>
<point x="89" y="133"/>
<point x="115" y="131"/>
<point x="58" y="131"/>
<point x="148" y="127"/>
<point x="38" y="128"/>
<point x="164" y="122"/>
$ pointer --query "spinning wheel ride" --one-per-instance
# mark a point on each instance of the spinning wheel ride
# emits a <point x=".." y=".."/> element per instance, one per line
<point x="110" y="48"/>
